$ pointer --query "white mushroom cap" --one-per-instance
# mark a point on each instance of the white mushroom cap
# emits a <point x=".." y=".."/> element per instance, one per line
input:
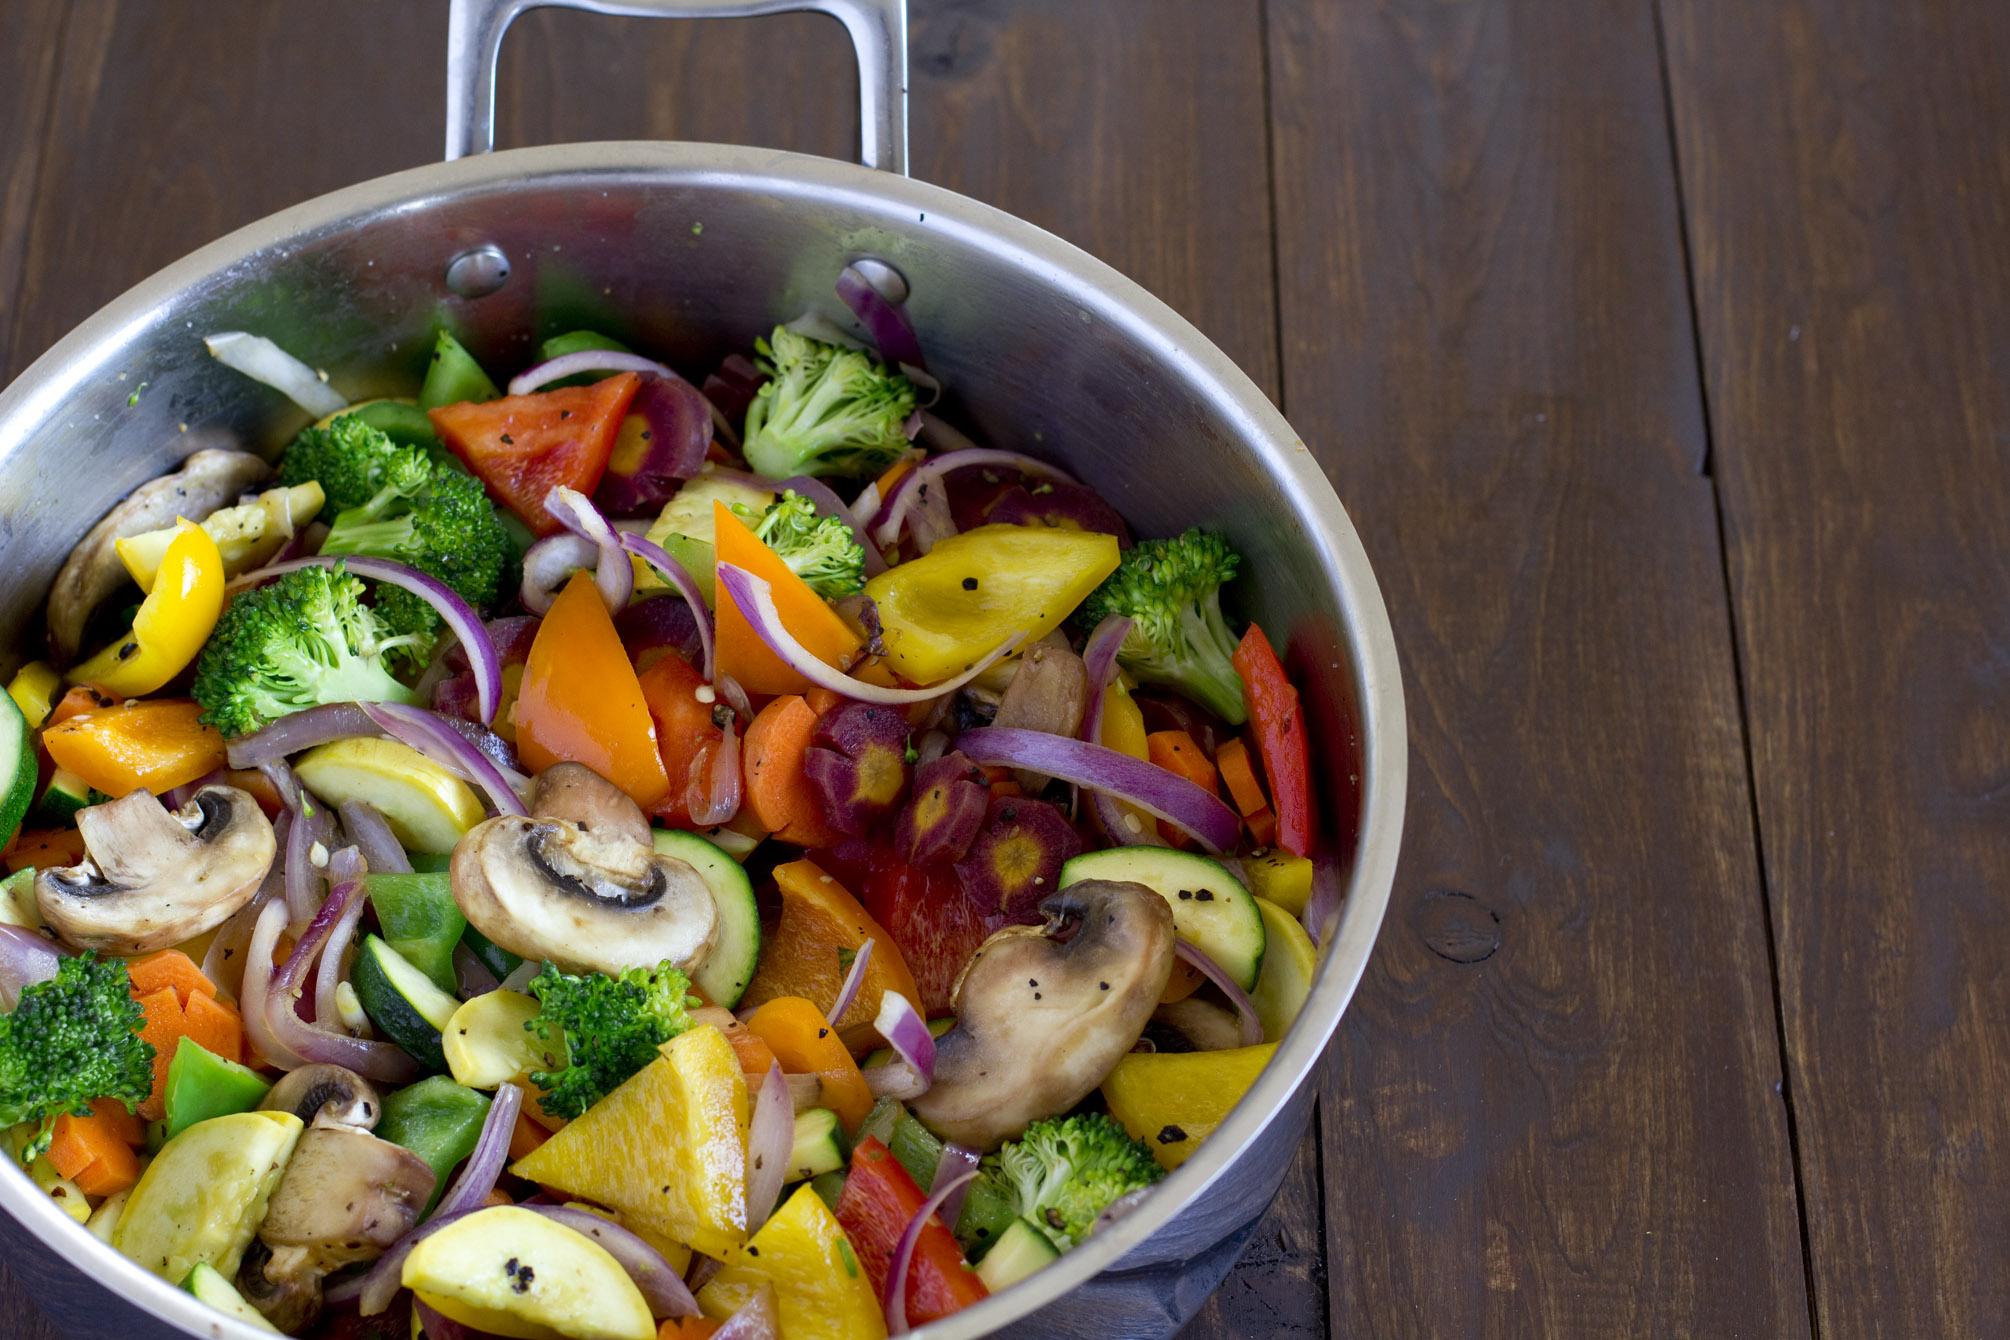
<point x="150" y="879"/>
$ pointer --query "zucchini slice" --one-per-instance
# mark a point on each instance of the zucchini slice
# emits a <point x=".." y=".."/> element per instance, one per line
<point x="727" y="970"/>
<point x="402" y="1001"/>
<point x="1211" y="910"/>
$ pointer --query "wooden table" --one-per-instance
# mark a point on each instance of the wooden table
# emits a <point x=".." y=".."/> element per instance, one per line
<point x="1661" y="353"/>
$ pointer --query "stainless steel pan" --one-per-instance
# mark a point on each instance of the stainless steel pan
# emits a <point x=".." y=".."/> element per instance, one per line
<point x="689" y="251"/>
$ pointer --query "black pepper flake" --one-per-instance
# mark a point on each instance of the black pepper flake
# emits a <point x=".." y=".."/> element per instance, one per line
<point x="1036" y="995"/>
<point x="1032" y="981"/>
<point x="1204" y="896"/>
<point x="1186" y="895"/>
<point x="1104" y="985"/>
<point x="508" y="441"/>
<point x="565" y="414"/>
<point x="1171" y="1135"/>
<point x="970" y="583"/>
<point x="753" y="1250"/>
<point x="130" y="650"/>
<point x="823" y="1033"/>
<point x="645" y="434"/>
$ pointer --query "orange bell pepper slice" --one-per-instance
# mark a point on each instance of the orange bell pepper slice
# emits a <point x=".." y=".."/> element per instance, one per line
<point x="156" y="745"/>
<point x="812" y="621"/>
<point x="45" y="849"/>
<point x="806" y="1044"/>
<point x="581" y="701"/>
<point x="821" y="928"/>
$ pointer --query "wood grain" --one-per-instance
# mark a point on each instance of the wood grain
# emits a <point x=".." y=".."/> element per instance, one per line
<point x="30" y="39"/>
<point x="1847" y="182"/>
<point x="1554" y="1110"/>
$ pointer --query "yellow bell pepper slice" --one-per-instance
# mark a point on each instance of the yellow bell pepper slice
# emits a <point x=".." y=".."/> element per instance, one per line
<point x="171" y="625"/>
<point x="33" y="690"/>
<point x="821" y="1291"/>
<point x="941" y="612"/>
<point x="1172" y="1100"/>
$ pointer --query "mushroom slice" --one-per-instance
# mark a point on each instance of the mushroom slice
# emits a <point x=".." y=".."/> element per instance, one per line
<point x="327" y="1097"/>
<point x="1040" y="1020"/>
<point x="150" y="879"/>
<point x="207" y="480"/>
<point x="346" y="1196"/>
<point x="575" y="792"/>
<point x="550" y="889"/>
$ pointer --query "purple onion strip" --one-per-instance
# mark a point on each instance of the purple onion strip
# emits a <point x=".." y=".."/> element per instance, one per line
<point x="585" y="360"/>
<point x="896" y="505"/>
<point x="885" y="320"/>
<point x="853" y="980"/>
<point x="293" y="733"/>
<point x="770" y="1137"/>
<point x="372" y="1292"/>
<point x="372" y="835"/>
<point x="907" y="1033"/>
<point x="431" y="735"/>
<point x="903" y="1252"/>
<point x="1146" y="785"/>
<point x="757" y="1319"/>
<point x="671" y="571"/>
<point x="662" y="1288"/>
<point x="485" y="1164"/>
<point x="1245" y="1009"/>
<point x="955" y="1159"/>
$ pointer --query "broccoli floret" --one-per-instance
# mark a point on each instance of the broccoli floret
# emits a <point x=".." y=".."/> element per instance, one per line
<point x="612" y="1027"/>
<point x="300" y="641"/>
<point x="828" y="410"/>
<point x="1063" y="1172"/>
<point x="70" y="1040"/>
<point x="1172" y="590"/>
<point x="400" y="503"/>
<point x="819" y="549"/>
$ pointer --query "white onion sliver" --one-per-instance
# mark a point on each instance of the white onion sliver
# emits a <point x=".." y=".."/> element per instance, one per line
<point x="907" y="1033"/>
<point x="585" y="360"/>
<point x="1245" y="1009"/>
<point x="770" y="1137"/>
<point x="263" y="361"/>
<point x="955" y="1159"/>
<point x="903" y="1252"/>
<point x="755" y="599"/>
<point x="548" y="563"/>
<point x="853" y="979"/>
<point x="613" y="574"/>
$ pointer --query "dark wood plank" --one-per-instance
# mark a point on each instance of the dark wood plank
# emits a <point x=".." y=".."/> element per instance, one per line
<point x="177" y="122"/>
<point x="1553" y="1110"/>
<point x="1847" y="182"/>
<point x="30" y="38"/>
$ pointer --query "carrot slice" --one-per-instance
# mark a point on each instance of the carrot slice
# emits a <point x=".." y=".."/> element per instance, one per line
<point x="170" y="967"/>
<point x="1231" y="758"/>
<point x="96" y="1152"/>
<point x="165" y="1026"/>
<point x="45" y="849"/>
<point x="740" y="651"/>
<point x="214" y="1024"/>
<point x="771" y="768"/>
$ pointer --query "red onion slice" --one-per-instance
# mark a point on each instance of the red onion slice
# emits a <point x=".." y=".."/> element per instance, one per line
<point x="485" y="1162"/>
<point x="328" y="973"/>
<point x="585" y="360"/>
<point x="1099" y="657"/>
<point x="254" y="995"/>
<point x="372" y="835"/>
<point x="884" y="319"/>
<point x="895" y="1079"/>
<point x="471" y="976"/>
<point x="613" y="574"/>
<point x="438" y="1326"/>
<point x="278" y="994"/>
<point x="956" y="1159"/>
<point x="757" y="1319"/>
<point x="853" y="979"/>
<point x="906" y="490"/>
<point x="907" y="1033"/>
<point x="432" y="735"/>
<point x="1145" y="785"/>
<point x="460" y="617"/>
<point x="713" y="793"/>
<point x="770" y="1137"/>
<point x="548" y="564"/>
<point x="373" y="1291"/>
<point x="1329" y="891"/>
<point x="903" y="1252"/>
<point x="313" y="826"/>
<point x="756" y="600"/>
<point x="828" y="503"/>
<point x="662" y="1288"/>
<point x="296" y="732"/>
<point x="1245" y="1009"/>
<point x="25" y="959"/>
<point x="671" y="571"/>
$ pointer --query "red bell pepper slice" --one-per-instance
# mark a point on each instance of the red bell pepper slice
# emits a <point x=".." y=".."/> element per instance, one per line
<point x="1279" y="724"/>
<point x="522" y="445"/>
<point x="878" y="1201"/>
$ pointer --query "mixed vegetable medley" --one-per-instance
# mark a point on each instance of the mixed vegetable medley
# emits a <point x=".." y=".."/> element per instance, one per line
<point x="609" y="856"/>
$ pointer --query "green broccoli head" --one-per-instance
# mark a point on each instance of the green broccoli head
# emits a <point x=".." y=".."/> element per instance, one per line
<point x="1172" y="591"/>
<point x="612" y="1027"/>
<point x="352" y="462"/>
<point x="827" y="410"/>
<point x="72" y="1039"/>
<point x="1065" y="1171"/>
<point x="819" y="549"/>
<point x="295" y="643"/>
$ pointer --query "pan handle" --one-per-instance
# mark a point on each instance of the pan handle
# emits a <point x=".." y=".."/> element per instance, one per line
<point x="878" y="30"/>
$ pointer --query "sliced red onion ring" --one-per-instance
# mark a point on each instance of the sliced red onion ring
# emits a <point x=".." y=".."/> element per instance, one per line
<point x="278" y="992"/>
<point x="434" y="736"/>
<point x="1245" y="1009"/>
<point x="613" y="574"/>
<point x="1145" y="785"/>
<point x="328" y="974"/>
<point x="1329" y="891"/>
<point x="252" y="999"/>
<point x="295" y="732"/>
<point x="829" y="504"/>
<point x="586" y="360"/>
<point x="373" y="1291"/>
<point x="955" y="1159"/>
<point x="372" y="835"/>
<point x="435" y="1325"/>
<point x="1099" y="657"/>
<point x="907" y="1033"/>
<point x="903" y="1252"/>
<point x="715" y="789"/>
<point x="263" y="361"/>
<point x="906" y="490"/>
<point x="460" y="617"/>
<point x="548" y="564"/>
<point x="757" y="1319"/>
<point x="25" y="959"/>
<point x="662" y="1288"/>
<point x="313" y="826"/>
<point x="485" y="1162"/>
<point x="770" y="1137"/>
<point x="756" y="600"/>
<point x="671" y="571"/>
<point x="735" y="696"/>
<point x="853" y="979"/>
<point x="884" y="319"/>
